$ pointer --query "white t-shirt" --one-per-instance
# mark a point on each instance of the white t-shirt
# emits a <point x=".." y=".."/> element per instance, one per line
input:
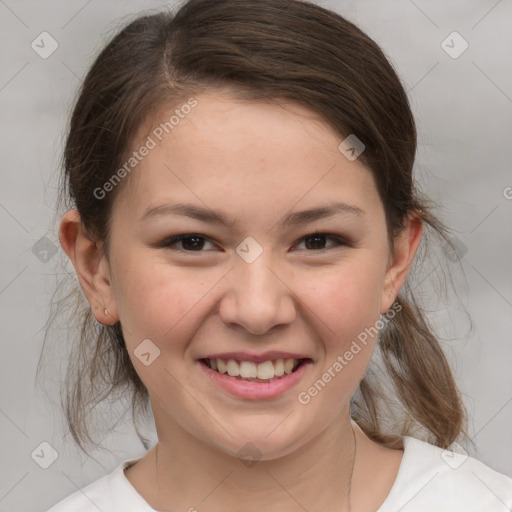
<point x="429" y="479"/>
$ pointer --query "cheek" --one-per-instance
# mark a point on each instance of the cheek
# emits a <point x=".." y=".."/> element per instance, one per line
<point x="161" y="302"/>
<point x="347" y="313"/>
<point x="154" y="300"/>
<point x="347" y="300"/>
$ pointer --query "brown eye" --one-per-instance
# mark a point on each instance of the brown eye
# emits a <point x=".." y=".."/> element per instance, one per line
<point x="190" y="242"/>
<point x="317" y="241"/>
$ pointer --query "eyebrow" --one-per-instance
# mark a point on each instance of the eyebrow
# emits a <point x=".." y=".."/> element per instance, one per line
<point x="216" y="217"/>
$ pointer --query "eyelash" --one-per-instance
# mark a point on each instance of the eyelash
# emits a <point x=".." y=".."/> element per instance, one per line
<point x="169" y="242"/>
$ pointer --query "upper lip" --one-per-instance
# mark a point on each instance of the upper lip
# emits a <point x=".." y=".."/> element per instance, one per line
<point x="271" y="355"/>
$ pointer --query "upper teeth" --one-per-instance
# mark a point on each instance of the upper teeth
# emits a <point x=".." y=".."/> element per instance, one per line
<point x="248" y="369"/>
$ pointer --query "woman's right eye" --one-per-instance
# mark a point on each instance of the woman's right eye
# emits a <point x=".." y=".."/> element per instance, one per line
<point x="190" y="242"/>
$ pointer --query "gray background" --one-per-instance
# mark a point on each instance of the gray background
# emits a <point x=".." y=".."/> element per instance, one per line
<point x="463" y="108"/>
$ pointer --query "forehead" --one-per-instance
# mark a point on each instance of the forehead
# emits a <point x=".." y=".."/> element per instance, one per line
<point x="222" y="123"/>
<point x="247" y="152"/>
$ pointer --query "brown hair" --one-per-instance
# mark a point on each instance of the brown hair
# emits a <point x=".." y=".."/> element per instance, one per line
<point x="266" y="50"/>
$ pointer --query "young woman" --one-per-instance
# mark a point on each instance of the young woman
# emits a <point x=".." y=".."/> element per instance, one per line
<point x="242" y="221"/>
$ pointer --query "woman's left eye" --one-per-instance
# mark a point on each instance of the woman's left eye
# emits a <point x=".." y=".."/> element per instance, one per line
<point x="318" y="239"/>
<point x="195" y="243"/>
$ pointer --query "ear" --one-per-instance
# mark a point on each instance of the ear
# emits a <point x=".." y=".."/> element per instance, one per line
<point x="405" y="245"/>
<point x="91" y="266"/>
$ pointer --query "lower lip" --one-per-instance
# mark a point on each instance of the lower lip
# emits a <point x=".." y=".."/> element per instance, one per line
<point x="256" y="390"/>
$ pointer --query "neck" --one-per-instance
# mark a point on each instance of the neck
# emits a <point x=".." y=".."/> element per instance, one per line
<point x="189" y="473"/>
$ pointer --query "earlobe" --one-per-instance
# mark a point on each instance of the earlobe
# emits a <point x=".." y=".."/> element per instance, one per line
<point x="406" y="245"/>
<point x="91" y="267"/>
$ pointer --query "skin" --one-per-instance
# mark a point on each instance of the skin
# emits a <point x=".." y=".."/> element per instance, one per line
<point x="255" y="162"/>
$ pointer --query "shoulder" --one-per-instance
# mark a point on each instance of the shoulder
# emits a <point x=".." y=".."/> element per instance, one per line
<point x="431" y="478"/>
<point x="110" y="493"/>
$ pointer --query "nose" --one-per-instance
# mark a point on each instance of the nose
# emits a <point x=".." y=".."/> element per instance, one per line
<point x="258" y="297"/>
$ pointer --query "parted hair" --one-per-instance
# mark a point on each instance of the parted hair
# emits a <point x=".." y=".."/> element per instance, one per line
<point x="263" y="50"/>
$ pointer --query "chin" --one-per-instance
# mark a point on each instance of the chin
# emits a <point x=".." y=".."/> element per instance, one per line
<point x="262" y="444"/>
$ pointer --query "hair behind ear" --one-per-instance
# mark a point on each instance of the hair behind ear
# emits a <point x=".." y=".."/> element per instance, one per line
<point x="421" y="375"/>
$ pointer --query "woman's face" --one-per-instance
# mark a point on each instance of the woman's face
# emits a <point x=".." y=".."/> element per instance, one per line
<point x="261" y="289"/>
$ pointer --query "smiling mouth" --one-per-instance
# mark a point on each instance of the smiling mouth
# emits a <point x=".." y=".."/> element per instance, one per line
<point x="267" y="371"/>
